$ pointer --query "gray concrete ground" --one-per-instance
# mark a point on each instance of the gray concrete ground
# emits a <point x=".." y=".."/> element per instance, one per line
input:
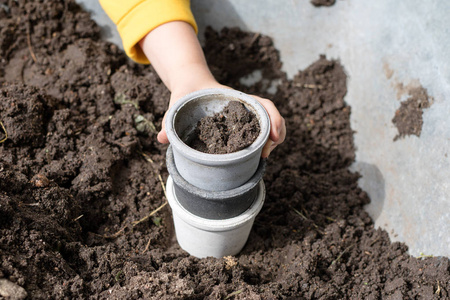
<point x="382" y="45"/>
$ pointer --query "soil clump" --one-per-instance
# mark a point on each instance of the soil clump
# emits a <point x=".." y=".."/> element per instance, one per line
<point x="78" y="181"/>
<point x="409" y="117"/>
<point x="230" y="130"/>
<point x="319" y="3"/>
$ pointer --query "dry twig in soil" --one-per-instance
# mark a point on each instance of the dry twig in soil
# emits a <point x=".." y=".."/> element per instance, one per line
<point x="147" y="246"/>
<point x="342" y="253"/>
<point x="147" y="157"/>
<point x="149" y="215"/>
<point x="135" y="223"/>
<point x="305" y="218"/>
<point x="234" y="294"/>
<point x="438" y="291"/>
<point x="29" y="44"/>
<point x="4" y="130"/>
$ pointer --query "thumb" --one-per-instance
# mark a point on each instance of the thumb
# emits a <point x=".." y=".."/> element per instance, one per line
<point x="162" y="135"/>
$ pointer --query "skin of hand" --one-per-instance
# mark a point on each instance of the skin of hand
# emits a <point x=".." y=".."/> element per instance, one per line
<point x="176" y="55"/>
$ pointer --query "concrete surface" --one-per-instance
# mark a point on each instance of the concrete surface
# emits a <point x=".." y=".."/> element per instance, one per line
<point x="381" y="44"/>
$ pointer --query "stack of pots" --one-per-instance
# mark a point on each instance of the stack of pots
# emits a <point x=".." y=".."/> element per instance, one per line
<point x="214" y="197"/>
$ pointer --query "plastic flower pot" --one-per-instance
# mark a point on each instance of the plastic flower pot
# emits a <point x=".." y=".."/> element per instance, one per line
<point x="213" y="172"/>
<point x="214" y="204"/>
<point x="203" y="237"/>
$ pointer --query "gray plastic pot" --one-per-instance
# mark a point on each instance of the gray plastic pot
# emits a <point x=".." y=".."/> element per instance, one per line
<point x="203" y="237"/>
<point x="213" y="172"/>
<point x="215" y="205"/>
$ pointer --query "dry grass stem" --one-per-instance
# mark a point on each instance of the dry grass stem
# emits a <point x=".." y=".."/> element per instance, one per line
<point x="162" y="184"/>
<point x="438" y="291"/>
<point x="300" y="214"/>
<point x="374" y="241"/>
<point x="305" y="218"/>
<point x="342" y="253"/>
<point x="310" y="86"/>
<point x="4" y="130"/>
<point x="234" y="294"/>
<point x="147" y="246"/>
<point x="113" y="236"/>
<point x="77" y="218"/>
<point x="330" y="219"/>
<point x="147" y="158"/>
<point x="253" y="40"/>
<point x="149" y="215"/>
<point x="29" y="44"/>
<point x="135" y="223"/>
<point x="156" y="210"/>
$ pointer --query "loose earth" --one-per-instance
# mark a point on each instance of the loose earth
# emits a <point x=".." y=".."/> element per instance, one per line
<point x="230" y="130"/>
<point x="81" y="173"/>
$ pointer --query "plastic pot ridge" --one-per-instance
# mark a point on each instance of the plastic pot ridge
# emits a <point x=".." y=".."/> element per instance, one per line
<point x="214" y="204"/>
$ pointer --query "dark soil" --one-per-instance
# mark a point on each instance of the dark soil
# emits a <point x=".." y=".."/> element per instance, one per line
<point x="77" y="178"/>
<point x="228" y="131"/>
<point x="318" y="3"/>
<point x="408" y="118"/>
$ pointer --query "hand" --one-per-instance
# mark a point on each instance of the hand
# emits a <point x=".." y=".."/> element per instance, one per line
<point x="277" y="123"/>
<point x="176" y="55"/>
<point x="277" y="126"/>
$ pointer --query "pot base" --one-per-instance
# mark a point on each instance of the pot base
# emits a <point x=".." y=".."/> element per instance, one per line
<point x="202" y="237"/>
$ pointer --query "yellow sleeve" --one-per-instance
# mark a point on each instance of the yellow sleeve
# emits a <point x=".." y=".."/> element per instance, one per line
<point x="136" y="18"/>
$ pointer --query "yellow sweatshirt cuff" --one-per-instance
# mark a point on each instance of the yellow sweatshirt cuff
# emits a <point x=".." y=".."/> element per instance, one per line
<point x="146" y="16"/>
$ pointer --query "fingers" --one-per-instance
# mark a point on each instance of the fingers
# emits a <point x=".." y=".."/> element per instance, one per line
<point x="282" y="134"/>
<point x="276" y="120"/>
<point x="162" y="135"/>
<point x="277" y="126"/>
<point x="267" y="149"/>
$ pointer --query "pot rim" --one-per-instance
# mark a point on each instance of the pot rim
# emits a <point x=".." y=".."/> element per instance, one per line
<point x="218" y="159"/>
<point x="207" y="194"/>
<point x="215" y="225"/>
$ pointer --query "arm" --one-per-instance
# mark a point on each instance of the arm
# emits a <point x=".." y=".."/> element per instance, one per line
<point x="176" y="55"/>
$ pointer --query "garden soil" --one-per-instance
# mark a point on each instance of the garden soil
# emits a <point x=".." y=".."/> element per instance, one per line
<point x="230" y="130"/>
<point x="409" y="117"/>
<point x="81" y="172"/>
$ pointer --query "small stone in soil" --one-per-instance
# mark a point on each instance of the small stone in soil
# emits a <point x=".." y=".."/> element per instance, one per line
<point x="10" y="290"/>
<point x="231" y="130"/>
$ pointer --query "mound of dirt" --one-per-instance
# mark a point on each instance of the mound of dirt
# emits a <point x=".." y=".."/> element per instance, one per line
<point x="81" y="172"/>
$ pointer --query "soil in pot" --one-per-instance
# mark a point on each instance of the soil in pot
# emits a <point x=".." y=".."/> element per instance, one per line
<point x="231" y="130"/>
<point x="82" y="210"/>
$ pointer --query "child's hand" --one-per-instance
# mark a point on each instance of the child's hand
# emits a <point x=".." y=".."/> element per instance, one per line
<point x="178" y="58"/>
<point x="277" y="123"/>
<point x="277" y="126"/>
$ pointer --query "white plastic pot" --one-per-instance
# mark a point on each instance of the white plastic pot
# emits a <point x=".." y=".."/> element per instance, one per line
<point x="213" y="172"/>
<point x="202" y="237"/>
